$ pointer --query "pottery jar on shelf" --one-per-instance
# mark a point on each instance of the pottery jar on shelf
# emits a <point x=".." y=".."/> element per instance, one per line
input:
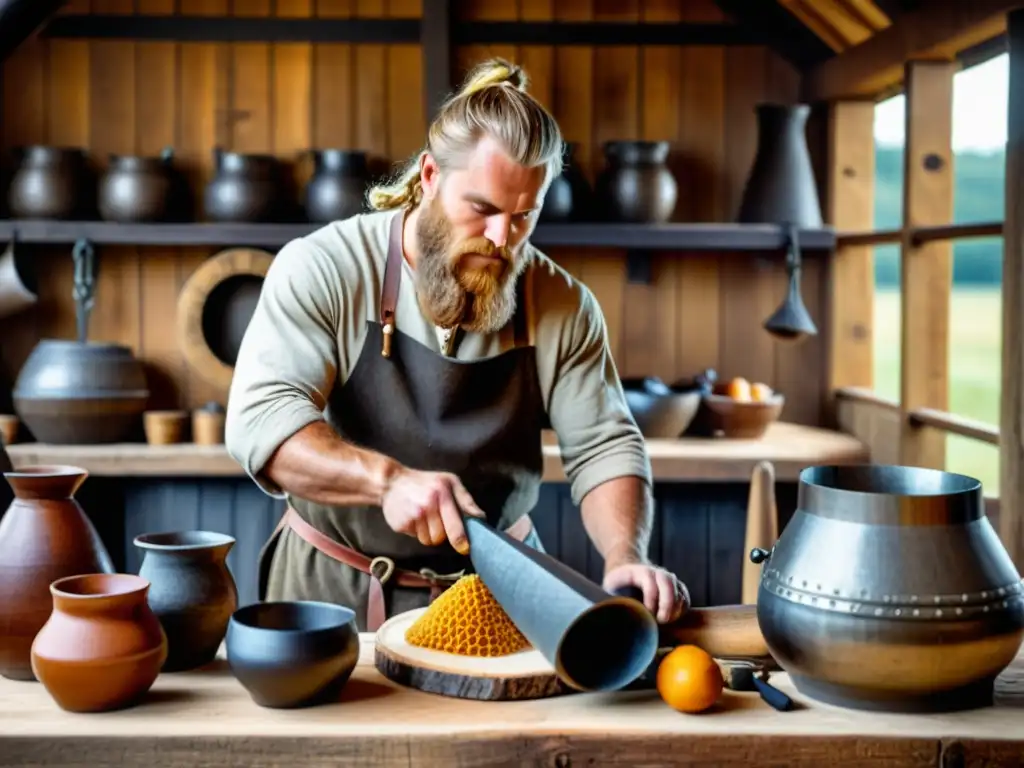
<point x="781" y="188"/>
<point x="44" y="536"/>
<point x="138" y="188"/>
<point x="192" y="592"/>
<point x="245" y="187"/>
<point x="337" y="189"/>
<point x="102" y="647"/>
<point x="75" y="393"/>
<point x="636" y="186"/>
<point x="569" y="196"/>
<point x="51" y="183"/>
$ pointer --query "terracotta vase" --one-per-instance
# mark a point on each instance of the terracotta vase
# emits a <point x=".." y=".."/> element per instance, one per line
<point x="102" y="647"/>
<point x="44" y="536"/>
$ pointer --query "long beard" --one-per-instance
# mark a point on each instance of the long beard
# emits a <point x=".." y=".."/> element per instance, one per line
<point x="450" y="292"/>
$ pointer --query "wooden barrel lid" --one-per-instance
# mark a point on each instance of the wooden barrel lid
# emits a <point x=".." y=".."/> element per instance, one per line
<point x="192" y="301"/>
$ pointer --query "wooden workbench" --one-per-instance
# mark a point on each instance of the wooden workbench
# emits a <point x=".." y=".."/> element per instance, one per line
<point x="205" y="718"/>
<point x="790" y="447"/>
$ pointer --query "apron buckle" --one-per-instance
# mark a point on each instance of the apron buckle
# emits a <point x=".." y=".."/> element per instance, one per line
<point x="389" y="569"/>
<point x="441" y="579"/>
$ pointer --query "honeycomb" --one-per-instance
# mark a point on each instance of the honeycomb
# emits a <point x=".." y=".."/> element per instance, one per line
<point x="466" y="620"/>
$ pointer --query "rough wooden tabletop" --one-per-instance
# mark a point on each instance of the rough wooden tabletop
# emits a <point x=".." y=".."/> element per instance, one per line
<point x="205" y="718"/>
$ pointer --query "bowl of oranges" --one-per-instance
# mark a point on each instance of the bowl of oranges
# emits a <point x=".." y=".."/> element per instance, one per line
<point x="738" y="408"/>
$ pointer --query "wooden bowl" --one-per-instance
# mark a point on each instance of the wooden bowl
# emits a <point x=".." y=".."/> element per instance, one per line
<point x="739" y="419"/>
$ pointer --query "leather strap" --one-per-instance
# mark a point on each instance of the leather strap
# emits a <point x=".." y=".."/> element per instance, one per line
<point x="381" y="570"/>
<point x="392" y="273"/>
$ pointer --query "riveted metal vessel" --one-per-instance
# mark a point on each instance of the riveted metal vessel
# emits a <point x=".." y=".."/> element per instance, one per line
<point x="890" y="590"/>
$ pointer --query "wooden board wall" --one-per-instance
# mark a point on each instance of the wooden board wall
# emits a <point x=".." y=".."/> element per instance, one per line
<point x="701" y="311"/>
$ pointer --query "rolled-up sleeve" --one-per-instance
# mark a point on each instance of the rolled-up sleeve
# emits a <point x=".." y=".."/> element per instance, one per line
<point x="598" y="438"/>
<point x="287" y="362"/>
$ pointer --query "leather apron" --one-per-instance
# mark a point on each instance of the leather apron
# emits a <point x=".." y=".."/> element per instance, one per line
<point x="481" y="420"/>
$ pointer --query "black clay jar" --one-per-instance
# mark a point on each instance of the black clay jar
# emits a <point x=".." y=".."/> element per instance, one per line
<point x="569" y="196"/>
<point x="191" y="592"/>
<point x="337" y="188"/>
<point x="51" y="183"/>
<point x="138" y="188"/>
<point x="244" y="188"/>
<point x="781" y="188"/>
<point x="293" y="654"/>
<point x="636" y="186"/>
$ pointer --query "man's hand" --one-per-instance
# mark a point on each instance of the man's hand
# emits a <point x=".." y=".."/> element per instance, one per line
<point x="429" y="506"/>
<point x="664" y="595"/>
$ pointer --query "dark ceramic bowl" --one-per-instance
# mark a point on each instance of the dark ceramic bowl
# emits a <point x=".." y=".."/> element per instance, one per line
<point x="292" y="654"/>
<point x="659" y="411"/>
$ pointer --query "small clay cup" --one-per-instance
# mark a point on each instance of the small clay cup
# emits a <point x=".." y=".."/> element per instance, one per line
<point x="102" y="647"/>
<point x="165" y="427"/>
<point x="9" y="428"/>
<point x="208" y="426"/>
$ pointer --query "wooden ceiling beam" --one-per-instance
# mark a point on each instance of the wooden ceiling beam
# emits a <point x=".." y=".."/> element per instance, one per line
<point x="940" y="29"/>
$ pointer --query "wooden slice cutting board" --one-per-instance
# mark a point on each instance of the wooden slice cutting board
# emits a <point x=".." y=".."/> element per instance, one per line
<point x="523" y="675"/>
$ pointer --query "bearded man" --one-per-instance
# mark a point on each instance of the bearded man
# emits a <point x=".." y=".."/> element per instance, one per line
<point x="402" y="364"/>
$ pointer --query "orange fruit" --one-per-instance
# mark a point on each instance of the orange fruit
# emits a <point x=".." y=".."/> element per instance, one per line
<point x="739" y="389"/>
<point x="689" y="680"/>
<point x="760" y="392"/>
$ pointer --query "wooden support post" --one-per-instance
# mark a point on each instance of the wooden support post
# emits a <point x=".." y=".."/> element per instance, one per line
<point x="851" y="208"/>
<point x="926" y="269"/>
<point x="1011" y="411"/>
<point x="435" y="43"/>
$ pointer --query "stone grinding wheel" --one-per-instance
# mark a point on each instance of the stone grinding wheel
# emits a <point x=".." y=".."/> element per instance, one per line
<point x="192" y="305"/>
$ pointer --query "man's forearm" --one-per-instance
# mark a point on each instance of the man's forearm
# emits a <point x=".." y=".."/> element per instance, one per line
<point x="318" y="465"/>
<point x="617" y="516"/>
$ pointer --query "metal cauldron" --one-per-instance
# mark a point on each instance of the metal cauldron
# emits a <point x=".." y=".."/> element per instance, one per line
<point x="890" y="590"/>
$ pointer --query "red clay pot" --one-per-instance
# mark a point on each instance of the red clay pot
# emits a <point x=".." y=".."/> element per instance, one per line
<point x="44" y="536"/>
<point x="102" y="647"/>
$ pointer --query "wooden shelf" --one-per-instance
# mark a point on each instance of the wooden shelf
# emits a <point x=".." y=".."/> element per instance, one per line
<point x="790" y="447"/>
<point x="676" y="237"/>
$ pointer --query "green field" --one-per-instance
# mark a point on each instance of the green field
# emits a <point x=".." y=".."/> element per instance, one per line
<point x="974" y="359"/>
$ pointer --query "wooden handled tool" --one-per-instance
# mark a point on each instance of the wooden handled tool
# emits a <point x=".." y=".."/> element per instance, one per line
<point x="762" y="526"/>
<point x="721" y="630"/>
<point x="724" y="630"/>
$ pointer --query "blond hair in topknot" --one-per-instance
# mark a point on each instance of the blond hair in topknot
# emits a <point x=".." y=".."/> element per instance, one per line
<point x="492" y="101"/>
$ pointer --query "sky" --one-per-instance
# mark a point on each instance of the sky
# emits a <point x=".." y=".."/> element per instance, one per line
<point x="979" y="109"/>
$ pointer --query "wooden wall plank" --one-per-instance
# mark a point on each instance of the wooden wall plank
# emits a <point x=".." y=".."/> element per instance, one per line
<point x="333" y="107"/>
<point x="292" y="92"/>
<point x="113" y="115"/>
<point x="701" y="172"/>
<point x="203" y="124"/>
<point x="701" y="310"/>
<point x="616" y="87"/>
<point x="156" y="90"/>
<point x="926" y="271"/>
<point x="651" y="320"/>
<point x="407" y="128"/>
<point x="371" y="130"/>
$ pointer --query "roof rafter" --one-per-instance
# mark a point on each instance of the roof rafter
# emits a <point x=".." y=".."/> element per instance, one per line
<point x="938" y="29"/>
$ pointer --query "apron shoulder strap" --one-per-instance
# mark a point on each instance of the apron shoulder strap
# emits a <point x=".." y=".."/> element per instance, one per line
<point x="392" y="282"/>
